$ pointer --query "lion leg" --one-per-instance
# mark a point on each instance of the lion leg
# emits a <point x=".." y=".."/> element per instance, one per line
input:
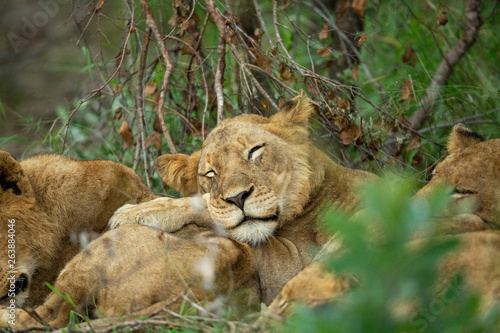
<point x="76" y="282"/>
<point x="313" y="286"/>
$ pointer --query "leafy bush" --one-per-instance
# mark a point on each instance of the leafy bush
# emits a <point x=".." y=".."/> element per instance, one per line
<point x="398" y="289"/>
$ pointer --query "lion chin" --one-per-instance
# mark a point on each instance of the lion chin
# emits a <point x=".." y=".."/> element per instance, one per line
<point x="253" y="232"/>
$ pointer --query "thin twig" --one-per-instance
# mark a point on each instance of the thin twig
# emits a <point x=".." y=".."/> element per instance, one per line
<point x="150" y="21"/>
<point x="262" y="23"/>
<point x="219" y="79"/>
<point x="473" y="23"/>
<point x="94" y="92"/>
<point x="221" y="63"/>
<point x="139" y="105"/>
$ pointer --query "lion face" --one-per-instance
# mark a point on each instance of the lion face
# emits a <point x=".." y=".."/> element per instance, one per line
<point x="17" y="204"/>
<point x="254" y="172"/>
<point x="472" y="169"/>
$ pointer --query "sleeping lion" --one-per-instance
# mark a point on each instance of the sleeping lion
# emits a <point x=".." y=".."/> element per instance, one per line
<point x="259" y="187"/>
<point x="472" y="171"/>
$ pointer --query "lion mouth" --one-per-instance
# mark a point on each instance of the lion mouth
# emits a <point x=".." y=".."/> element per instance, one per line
<point x="272" y="218"/>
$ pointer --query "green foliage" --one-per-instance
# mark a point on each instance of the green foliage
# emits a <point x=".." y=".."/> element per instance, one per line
<point x="398" y="289"/>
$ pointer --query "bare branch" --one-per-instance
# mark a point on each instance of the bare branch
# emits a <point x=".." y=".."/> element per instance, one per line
<point x="473" y="23"/>
<point x="219" y="79"/>
<point x="168" y="71"/>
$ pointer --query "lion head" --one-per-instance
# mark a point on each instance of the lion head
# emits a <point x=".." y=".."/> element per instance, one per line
<point x="18" y="211"/>
<point x="255" y="172"/>
<point x="472" y="170"/>
<point x="50" y="207"/>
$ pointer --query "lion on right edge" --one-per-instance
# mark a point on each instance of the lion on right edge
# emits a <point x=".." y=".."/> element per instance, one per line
<point x="472" y="170"/>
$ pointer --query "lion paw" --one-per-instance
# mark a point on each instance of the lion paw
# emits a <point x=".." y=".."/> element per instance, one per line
<point x="127" y="214"/>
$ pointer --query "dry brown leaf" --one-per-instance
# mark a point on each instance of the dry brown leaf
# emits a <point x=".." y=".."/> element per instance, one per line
<point x="312" y="86"/>
<point x="285" y="72"/>
<point x="155" y="100"/>
<point x="330" y="96"/>
<point x="403" y="122"/>
<point x="265" y="104"/>
<point x="403" y="125"/>
<point x="354" y="72"/>
<point x="157" y="125"/>
<point x="196" y="131"/>
<point x="126" y="133"/>
<point x="414" y="142"/>
<point x="343" y="103"/>
<point x="361" y="40"/>
<point x="150" y="88"/>
<point x="324" y="52"/>
<point x="351" y="134"/>
<point x="263" y="63"/>
<point x="118" y="88"/>
<point x="324" y="32"/>
<point x="385" y="125"/>
<point x="156" y="138"/>
<point x="98" y="7"/>
<point x="118" y="113"/>
<point x="356" y="132"/>
<point x="187" y="50"/>
<point x="344" y="5"/>
<point x="359" y="7"/>
<point x="281" y="102"/>
<point x="118" y="57"/>
<point x="189" y="25"/>
<point x="346" y="137"/>
<point x="173" y="20"/>
<point x="407" y="92"/>
<point x="442" y="17"/>
<point x="274" y="51"/>
<point x="340" y="122"/>
<point x="410" y="57"/>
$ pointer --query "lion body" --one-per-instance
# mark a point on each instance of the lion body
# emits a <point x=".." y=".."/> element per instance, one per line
<point x="262" y="181"/>
<point x="54" y="201"/>
<point x="472" y="169"/>
<point x="136" y="270"/>
<point x="266" y="184"/>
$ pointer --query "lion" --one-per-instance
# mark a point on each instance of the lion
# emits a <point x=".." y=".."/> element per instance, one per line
<point x="48" y="203"/>
<point x="472" y="171"/>
<point x="136" y="270"/>
<point x="263" y="183"/>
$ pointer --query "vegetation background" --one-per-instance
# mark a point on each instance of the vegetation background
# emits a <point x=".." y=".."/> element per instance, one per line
<point x="128" y="80"/>
<point x="94" y="79"/>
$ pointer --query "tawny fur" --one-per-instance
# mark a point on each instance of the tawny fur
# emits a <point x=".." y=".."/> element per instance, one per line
<point x="134" y="270"/>
<point x="51" y="198"/>
<point x="287" y="176"/>
<point x="473" y="169"/>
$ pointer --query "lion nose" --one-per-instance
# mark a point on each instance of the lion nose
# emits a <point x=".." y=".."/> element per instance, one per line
<point x="239" y="199"/>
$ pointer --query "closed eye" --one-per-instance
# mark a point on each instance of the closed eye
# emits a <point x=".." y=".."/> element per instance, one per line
<point x="459" y="189"/>
<point x="253" y="150"/>
<point x="209" y="174"/>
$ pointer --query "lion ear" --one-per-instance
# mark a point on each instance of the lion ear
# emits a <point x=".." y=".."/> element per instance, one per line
<point x="296" y="111"/>
<point x="462" y="137"/>
<point x="12" y="177"/>
<point x="180" y="172"/>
